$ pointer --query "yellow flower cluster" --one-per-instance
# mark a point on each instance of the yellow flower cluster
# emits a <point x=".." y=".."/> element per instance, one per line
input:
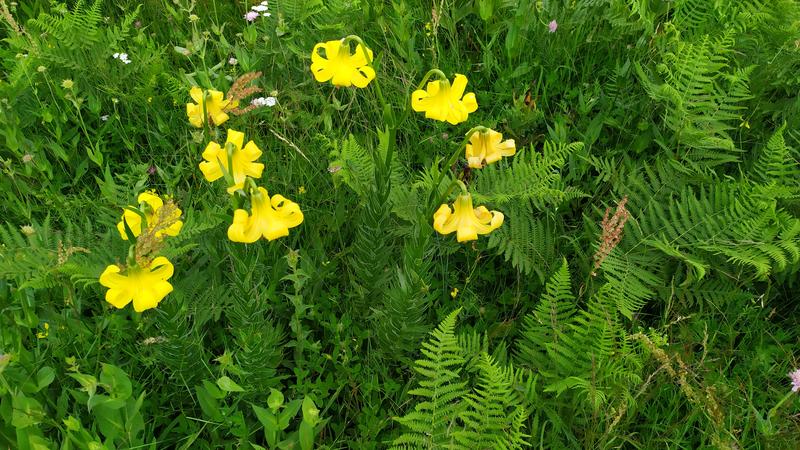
<point x="144" y="280"/>
<point x="441" y="100"/>
<point x="270" y="218"/>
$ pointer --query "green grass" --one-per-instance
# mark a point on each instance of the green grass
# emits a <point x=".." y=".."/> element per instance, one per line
<point x="683" y="338"/>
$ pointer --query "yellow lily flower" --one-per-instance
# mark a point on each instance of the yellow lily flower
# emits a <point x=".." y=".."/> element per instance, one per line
<point x="444" y="102"/>
<point x="242" y="160"/>
<point x="215" y="107"/>
<point x="270" y="218"/>
<point x="145" y="287"/>
<point x="485" y="148"/>
<point x="153" y="215"/>
<point x="466" y="221"/>
<point x="340" y="66"/>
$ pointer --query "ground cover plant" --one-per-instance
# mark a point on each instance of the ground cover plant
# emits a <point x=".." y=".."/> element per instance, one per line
<point x="477" y="224"/>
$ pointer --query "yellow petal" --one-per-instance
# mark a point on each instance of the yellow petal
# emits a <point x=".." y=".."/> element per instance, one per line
<point x="508" y="148"/>
<point x="458" y="86"/>
<point x="219" y="118"/>
<point x="470" y="103"/>
<point x="289" y="211"/>
<point x="251" y="151"/>
<point x="195" y="114"/>
<point x="236" y="138"/>
<point x="416" y="100"/>
<point x="254" y="170"/>
<point x="440" y="220"/>
<point x="321" y="72"/>
<point x="134" y="223"/>
<point x="332" y="49"/>
<point x="363" y="76"/>
<point x="466" y="232"/>
<point x="315" y="56"/>
<point x="119" y="298"/>
<point x="153" y="200"/>
<point x="149" y="297"/>
<point x="174" y="229"/>
<point x="342" y="74"/>
<point x="237" y="229"/>
<point x="197" y="94"/>
<point x="111" y="278"/>
<point x="161" y="269"/>
<point x="211" y="170"/>
<point x="358" y="59"/>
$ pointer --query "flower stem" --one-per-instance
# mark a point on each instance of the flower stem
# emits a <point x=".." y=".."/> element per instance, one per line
<point x="774" y="409"/>
<point x="450" y="163"/>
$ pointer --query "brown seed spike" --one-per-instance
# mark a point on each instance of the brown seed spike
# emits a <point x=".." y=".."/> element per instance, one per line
<point x="240" y="90"/>
<point x="612" y="232"/>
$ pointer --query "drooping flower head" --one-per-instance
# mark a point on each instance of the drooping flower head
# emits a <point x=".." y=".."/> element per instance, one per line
<point x="164" y="220"/>
<point x="487" y="147"/>
<point x="466" y="221"/>
<point x="341" y="65"/>
<point x="241" y="157"/>
<point x="145" y="287"/>
<point x="445" y="102"/>
<point x="795" y="377"/>
<point x="270" y="218"/>
<point x="215" y="104"/>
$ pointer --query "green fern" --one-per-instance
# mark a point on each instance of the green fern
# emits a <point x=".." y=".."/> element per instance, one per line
<point x="584" y="351"/>
<point x="777" y="170"/>
<point x="546" y="326"/>
<point x="440" y="388"/>
<point x="726" y="220"/>
<point x="523" y="191"/>
<point x="494" y="416"/>
<point x="527" y="239"/>
<point x="399" y="321"/>
<point x="701" y="98"/>
<point x="532" y="176"/>
<point x="452" y="417"/>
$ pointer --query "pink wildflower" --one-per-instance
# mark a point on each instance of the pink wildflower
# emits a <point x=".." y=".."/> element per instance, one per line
<point x="251" y="16"/>
<point x="552" y="26"/>
<point x="795" y="376"/>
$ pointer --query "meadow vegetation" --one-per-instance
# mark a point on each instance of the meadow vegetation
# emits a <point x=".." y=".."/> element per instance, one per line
<point x="408" y="224"/>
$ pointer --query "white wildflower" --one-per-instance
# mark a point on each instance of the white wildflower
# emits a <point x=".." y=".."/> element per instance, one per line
<point x="261" y="101"/>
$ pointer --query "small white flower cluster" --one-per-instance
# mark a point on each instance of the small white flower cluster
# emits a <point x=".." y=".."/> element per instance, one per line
<point x="122" y="57"/>
<point x="261" y="9"/>
<point x="261" y="101"/>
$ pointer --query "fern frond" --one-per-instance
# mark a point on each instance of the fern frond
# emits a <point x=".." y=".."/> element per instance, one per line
<point x="492" y="418"/>
<point x="545" y="327"/>
<point x="532" y="176"/>
<point x="527" y="239"/>
<point x="440" y="388"/>
<point x="700" y="100"/>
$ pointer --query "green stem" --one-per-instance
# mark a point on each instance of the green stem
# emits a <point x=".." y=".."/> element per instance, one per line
<point x="384" y="166"/>
<point x="452" y="161"/>
<point x="206" y="126"/>
<point x="131" y="259"/>
<point x="774" y="409"/>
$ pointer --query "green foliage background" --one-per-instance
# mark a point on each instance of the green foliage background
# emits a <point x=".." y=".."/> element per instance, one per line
<point x="345" y="333"/>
